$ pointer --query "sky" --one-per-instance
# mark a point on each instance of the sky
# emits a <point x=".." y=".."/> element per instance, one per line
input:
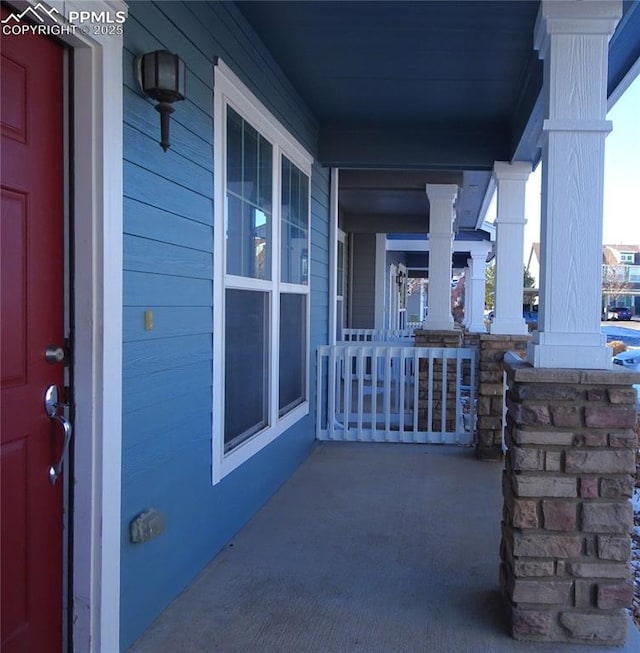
<point x="621" y="216"/>
<point x="621" y="211"/>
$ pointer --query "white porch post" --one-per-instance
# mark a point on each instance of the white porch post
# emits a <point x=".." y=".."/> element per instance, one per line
<point x="511" y="179"/>
<point x="572" y="39"/>
<point x="468" y="292"/>
<point x="441" y="215"/>
<point x="476" y="285"/>
<point x="382" y="300"/>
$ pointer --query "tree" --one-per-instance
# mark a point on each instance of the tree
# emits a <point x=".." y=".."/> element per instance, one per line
<point x="528" y="281"/>
<point x="489" y="285"/>
<point x="614" y="283"/>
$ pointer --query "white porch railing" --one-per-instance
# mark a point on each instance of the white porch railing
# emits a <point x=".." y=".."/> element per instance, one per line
<point x="376" y="335"/>
<point x="391" y="392"/>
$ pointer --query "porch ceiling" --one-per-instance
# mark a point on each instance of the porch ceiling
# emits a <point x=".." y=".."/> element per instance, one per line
<point x="429" y="85"/>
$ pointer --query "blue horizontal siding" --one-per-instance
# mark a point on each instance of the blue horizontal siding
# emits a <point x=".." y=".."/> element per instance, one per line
<point x="152" y="289"/>
<point x="152" y="223"/>
<point x="144" y="357"/>
<point x="145" y="255"/>
<point x="143" y="150"/>
<point x="168" y="269"/>
<point x="145" y="186"/>
<point x="156" y="388"/>
<point x="169" y="322"/>
<point x="144" y="422"/>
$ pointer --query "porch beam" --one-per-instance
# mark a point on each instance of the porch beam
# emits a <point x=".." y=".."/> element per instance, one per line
<point x="511" y="179"/>
<point x="572" y="39"/>
<point x="442" y="214"/>
<point x="444" y="147"/>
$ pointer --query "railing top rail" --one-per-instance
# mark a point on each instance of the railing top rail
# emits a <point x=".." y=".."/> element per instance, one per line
<point x="380" y="348"/>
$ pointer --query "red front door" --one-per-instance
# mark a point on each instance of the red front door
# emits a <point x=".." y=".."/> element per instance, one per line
<point x="32" y="303"/>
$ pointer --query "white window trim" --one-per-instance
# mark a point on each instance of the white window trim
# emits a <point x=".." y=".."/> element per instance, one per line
<point x="229" y="90"/>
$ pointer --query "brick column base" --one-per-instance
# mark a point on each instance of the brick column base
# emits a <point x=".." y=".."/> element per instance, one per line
<point x="451" y="338"/>
<point x="490" y="388"/>
<point x="569" y="473"/>
<point x="445" y="339"/>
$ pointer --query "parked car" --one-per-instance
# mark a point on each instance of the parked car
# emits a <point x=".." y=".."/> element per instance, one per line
<point x="531" y="318"/>
<point x="630" y="360"/>
<point x="618" y="313"/>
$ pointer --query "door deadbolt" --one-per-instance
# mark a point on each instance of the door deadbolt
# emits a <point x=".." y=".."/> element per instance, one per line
<point x="54" y="354"/>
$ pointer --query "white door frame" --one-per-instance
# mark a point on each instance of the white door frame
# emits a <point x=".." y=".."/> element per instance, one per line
<point x="97" y="358"/>
<point x="98" y="341"/>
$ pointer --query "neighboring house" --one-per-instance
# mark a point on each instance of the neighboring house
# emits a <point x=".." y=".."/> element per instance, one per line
<point x="620" y="274"/>
<point x="176" y="299"/>
<point x="533" y="262"/>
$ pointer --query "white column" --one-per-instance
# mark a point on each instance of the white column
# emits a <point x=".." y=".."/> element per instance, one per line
<point x="441" y="216"/>
<point x="511" y="180"/>
<point x="572" y="39"/>
<point x="468" y="291"/>
<point x="381" y="304"/>
<point x="333" y="254"/>
<point x="476" y="284"/>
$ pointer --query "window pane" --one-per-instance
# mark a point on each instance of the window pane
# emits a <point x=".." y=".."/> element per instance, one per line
<point x="249" y="199"/>
<point x="234" y="229"/>
<point x="250" y="164"/>
<point x="294" y="254"/>
<point x="234" y="152"/>
<point x="259" y="267"/>
<point x="293" y="351"/>
<point x="265" y="175"/>
<point x="246" y="365"/>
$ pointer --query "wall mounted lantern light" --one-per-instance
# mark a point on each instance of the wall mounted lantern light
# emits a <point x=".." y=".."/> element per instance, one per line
<point x="161" y="76"/>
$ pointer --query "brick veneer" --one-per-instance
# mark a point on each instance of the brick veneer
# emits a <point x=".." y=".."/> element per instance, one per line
<point x="446" y="339"/>
<point x="490" y="385"/>
<point x="451" y="338"/>
<point x="569" y="473"/>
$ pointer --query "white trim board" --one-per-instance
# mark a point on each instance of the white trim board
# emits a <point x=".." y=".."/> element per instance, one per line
<point x="97" y="206"/>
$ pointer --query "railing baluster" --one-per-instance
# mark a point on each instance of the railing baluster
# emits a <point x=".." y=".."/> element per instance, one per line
<point x="331" y="397"/>
<point x="348" y="381"/>
<point x="401" y="394"/>
<point x="360" y="367"/>
<point x="374" y="391"/>
<point x="387" y="395"/>
<point x="415" y="375"/>
<point x="458" y="411"/>
<point x="430" y="394"/>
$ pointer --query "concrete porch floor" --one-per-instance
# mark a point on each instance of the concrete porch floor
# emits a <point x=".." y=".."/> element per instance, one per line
<point x="370" y="548"/>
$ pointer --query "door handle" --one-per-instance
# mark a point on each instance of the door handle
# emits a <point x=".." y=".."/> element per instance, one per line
<point x="51" y="405"/>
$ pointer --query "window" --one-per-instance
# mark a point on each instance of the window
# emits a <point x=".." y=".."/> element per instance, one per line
<point x="627" y="257"/>
<point x="261" y="276"/>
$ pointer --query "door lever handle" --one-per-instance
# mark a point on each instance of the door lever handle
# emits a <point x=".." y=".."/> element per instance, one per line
<point x="55" y="470"/>
<point x="51" y="405"/>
